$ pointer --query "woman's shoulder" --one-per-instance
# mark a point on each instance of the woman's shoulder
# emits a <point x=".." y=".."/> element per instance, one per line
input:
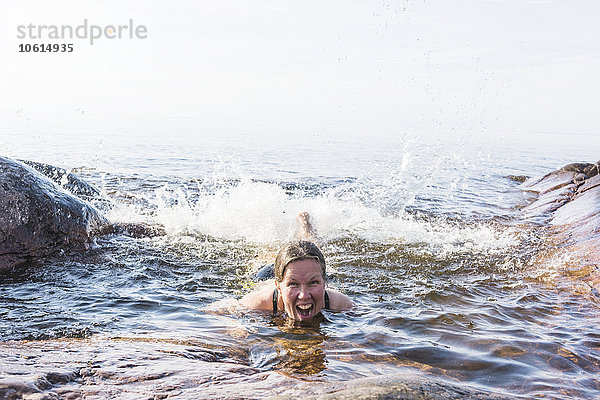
<point x="339" y="301"/>
<point x="261" y="298"/>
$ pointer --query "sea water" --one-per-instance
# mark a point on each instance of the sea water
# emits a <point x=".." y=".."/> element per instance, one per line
<point x="421" y="230"/>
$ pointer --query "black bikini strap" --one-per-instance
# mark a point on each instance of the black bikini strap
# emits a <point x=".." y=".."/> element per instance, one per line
<point x="326" y="300"/>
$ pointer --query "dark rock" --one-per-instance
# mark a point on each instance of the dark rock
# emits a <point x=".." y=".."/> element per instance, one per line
<point x="592" y="169"/>
<point x="44" y="210"/>
<point x="576" y="167"/>
<point x="60" y="377"/>
<point x="66" y="180"/>
<point x="134" y="230"/>
<point x="38" y="218"/>
<point x="517" y="178"/>
<point x="265" y="272"/>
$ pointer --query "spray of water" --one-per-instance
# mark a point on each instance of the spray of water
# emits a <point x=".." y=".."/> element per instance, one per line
<point x="263" y="213"/>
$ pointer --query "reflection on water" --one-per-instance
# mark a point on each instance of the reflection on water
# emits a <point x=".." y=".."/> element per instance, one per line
<point x="300" y="350"/>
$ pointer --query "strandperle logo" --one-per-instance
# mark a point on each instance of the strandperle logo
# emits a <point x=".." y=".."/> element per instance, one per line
<point x="85" y="31"/>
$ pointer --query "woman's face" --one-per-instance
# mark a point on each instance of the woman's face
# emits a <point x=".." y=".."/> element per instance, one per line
<point x="302" y="289"/>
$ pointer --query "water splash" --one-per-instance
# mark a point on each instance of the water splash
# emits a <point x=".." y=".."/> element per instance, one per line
<point x="263" y="213"/>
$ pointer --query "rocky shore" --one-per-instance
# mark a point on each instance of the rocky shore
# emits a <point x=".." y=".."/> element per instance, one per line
<point x="568" y="200"/>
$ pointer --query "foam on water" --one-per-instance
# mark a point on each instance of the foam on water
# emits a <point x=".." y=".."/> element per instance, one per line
<point x="263" y="214"/>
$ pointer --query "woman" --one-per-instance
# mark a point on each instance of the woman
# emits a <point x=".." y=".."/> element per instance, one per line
<point x="300" y="278"/>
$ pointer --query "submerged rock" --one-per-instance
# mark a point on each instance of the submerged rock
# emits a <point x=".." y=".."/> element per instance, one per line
<point x="38" y="218"/>
<point x="405" y="386"/>
<point x="146" y="368"/>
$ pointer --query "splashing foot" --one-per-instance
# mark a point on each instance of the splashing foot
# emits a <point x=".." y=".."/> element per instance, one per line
<point x="304" y="228"/>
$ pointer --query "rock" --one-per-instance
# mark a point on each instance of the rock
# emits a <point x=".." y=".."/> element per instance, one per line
<point x="405" y="386"/>
<point x="38" y="218"/>
<point x="134" y="230"/>
<point x="265" y="272"/>
<point x="66" y="180"/>
<point x="569" y="200"/>
<point x="592" y="169"/>
<point x="147" y="368"/>
<point x="45" y="210"/>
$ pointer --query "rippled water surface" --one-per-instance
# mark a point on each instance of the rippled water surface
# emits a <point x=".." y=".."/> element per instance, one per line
<point x="424" y="235"/>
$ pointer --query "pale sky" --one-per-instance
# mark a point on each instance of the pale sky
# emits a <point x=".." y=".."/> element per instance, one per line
<point x="349" y="67"/>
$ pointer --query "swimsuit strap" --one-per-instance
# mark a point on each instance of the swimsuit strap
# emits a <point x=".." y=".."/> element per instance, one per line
<point x="276" y="296"/>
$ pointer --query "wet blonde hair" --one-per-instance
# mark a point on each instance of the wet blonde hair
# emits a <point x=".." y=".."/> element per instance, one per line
<point x="297" y="250"/>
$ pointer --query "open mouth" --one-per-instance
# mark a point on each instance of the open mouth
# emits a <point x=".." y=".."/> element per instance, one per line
<point x="304" y="310"/>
